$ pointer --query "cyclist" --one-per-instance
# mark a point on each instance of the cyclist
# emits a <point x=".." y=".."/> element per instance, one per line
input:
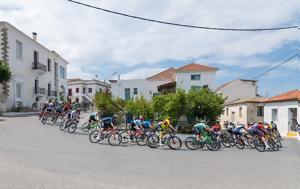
<point x="43" y="109"/>
<point x="201" y="129"/>
<point x="163" y="127"/>
<point x="134" y="126"/>
<point x="94" y="117"/>
<point x="107" y="122"/>
<point x="147" y="124"/>
<point x="238" y="130"/>
<point x="258" y="129"/>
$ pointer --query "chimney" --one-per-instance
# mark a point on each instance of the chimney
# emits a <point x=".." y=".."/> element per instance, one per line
<point x="34" y="36"/>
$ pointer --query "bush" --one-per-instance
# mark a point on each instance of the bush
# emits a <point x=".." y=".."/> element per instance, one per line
<point x="140" y="106"/>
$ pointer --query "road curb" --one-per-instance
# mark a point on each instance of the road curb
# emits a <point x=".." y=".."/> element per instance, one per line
<point x="20" y="114"/>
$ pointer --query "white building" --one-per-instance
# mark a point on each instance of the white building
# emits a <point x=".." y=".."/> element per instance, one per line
<point x="85" y="90"/>
<point x="243" y="105"/>
<point x="37" y="72"/>
<point x="284" y="110"/>
<point x="186" y="77"/>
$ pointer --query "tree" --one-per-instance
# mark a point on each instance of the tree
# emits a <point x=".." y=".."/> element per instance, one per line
<point x="170" y="105"/>
<point x="108" y="105"/>
<point x="5" y="73"/>
<point x="204" y="104"/>
<point x="140" y="106"/>
<point x="5" y="76"/>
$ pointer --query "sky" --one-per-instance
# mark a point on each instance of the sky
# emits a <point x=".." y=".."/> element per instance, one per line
<point x="98" y="43"/>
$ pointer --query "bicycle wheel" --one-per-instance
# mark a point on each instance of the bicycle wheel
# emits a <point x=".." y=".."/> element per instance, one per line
<point x="174" y="143"/>
<point x="84" y="127"/>
<point x="142" y="140"/>
<point x="277" y="141"/>
<point x="250" y="141"/>
<point x="259" y="146"/>
<point x="54" y="119"/>
<point x="114" y="139"/>
<point x="93" y="136"/>
<point x="72" y="127"/>
<point x="44" y="119"/>
<point x="239" y="143"/>
<point x="153" y="141"/>
<point x="225" y="141"/>
<point x="191" y="143"/>
<point x="124" y="137"/>
<point x="213" y="146"/>
<point x="273" y="145"/>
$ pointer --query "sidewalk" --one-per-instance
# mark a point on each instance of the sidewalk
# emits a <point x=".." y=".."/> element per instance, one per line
<point x="19" y="114"/>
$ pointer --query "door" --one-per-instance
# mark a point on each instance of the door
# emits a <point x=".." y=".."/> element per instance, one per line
<point x="36" y="86"/>
<point x="127" y="94"/>
<point x="232" y="117"/>
<point x="35" y="58"/>
<point x="292" y="119"/>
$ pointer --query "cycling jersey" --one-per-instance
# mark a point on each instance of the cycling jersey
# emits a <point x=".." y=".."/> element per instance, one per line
<point x="216" y="128"/>
<point x="146" y="124"/>
<point x="93" y="117"/>
<point x="107" y="121"/>
<point x="49" y="107"/>
<point x="137" y="122"/>
<point x="238" y="130"/>
<point x="200" y="127"/>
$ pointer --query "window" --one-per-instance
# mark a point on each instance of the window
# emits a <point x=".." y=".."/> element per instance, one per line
<point x="19" y="50"/>
<point x="90" y="90"/>
<point x="135" y="91"/>
<point x="260" y="111"/>
<point x="127" y="94"/>
<point x="195" y="88"/>
<point x="100" y="90"/>
<point x="49" y="65"/>
<point x="49" y="89"/>
<point x="83" y="90"/>
<point x="274" y="115"/>
<point x="62" y="72"/>
<point x="77" y="90"/>
<point x="195" y="77"/>
<point x="227" y="111"/>
<point x="19" y="90"/>
<point x="241" y="111"/>
<point x="69" y="92"/>
<point x="232" y="116"/>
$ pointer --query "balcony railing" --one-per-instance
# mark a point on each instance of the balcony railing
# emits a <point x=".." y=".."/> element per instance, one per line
<point x="39" y="66"/>
<point x="38" y="90"/>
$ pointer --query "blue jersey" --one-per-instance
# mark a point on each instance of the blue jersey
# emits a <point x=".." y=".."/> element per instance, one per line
<point x="107" y="120"/>
<point x="147" y="124"/>
<point x="137" y="122"/>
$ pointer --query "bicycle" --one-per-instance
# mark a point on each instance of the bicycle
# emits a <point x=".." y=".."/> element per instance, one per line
<point x="86" y="127"/>
<point x="173" y="141"/>
<point x="139" y="136"/>
<point x="208" y="140"/>
<point x="112" y="134"/>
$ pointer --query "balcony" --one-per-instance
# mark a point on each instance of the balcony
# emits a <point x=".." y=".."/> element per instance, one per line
<point x="39" y="91"/>
<point x="39" y="68"/>
<point x="53" y="93"/>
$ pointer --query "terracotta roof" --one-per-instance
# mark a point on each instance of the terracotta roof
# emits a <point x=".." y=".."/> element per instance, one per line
<point x="196" y="67"/>
<point x="167" y="75"/>
<point x="256" y="99"/>
<point x="288" y="96"/>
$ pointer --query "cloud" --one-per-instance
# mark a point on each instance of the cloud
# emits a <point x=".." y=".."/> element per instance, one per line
<point x="141" y="73"/>
<point x="89" y="38"/>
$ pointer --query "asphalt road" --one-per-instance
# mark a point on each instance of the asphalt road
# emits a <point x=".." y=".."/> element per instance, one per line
<point x="42" y="157"/>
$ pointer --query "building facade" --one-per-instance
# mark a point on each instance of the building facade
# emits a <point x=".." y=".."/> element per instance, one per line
<point x="242" y="105"/>
<point x="38" y="74"/>
<point x="84" y="90"/>
<point x="191" y="76"/>
<point x="284" y="110"/>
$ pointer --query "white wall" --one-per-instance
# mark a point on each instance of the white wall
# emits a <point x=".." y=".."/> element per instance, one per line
<point x="283" y="114"/>
<point x="145" y="87"/>
<point x="183" y="80"/>
<point x="96" y="86"/>
<point x="22" y="71"/>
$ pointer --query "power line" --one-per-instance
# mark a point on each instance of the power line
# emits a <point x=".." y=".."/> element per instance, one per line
<point x="265" y="72"/>
<point x="184" y="25"/>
